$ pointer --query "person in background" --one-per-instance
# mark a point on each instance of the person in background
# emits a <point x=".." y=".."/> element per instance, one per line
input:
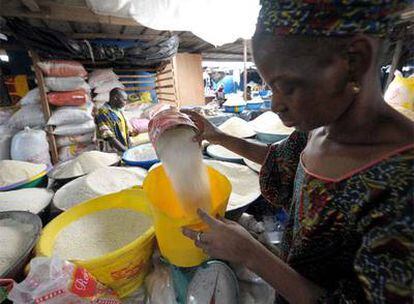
<point x="346" y="175"/>
<point x="112" y="125"/>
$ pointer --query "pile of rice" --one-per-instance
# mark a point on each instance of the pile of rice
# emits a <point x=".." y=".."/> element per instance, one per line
<point x="100" y="182"/>
<point x="99" y="233"/>
<point x="270" y="123"/>
<point x="32" y="200"/>
<point x="13" y="171"/>
<point x="237" y="127"/>
<point x="84" y="164"/>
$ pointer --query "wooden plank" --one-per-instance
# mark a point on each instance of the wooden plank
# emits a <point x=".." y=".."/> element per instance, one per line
<point x="139" y="89"/>
<point x="137" y="81"/>
<point x="57" y="11"/>
<point x="165" y="93"/>
<point x="166" y="99"/>
<point x="31" y="5"/>
<point x="395" y="59"/>
<point x="134" y="70"/>
<point x="45" y="107"/>
<point x="137" y="76"/>
<point x="164" y="72"/>
<point x="164" y="79"/>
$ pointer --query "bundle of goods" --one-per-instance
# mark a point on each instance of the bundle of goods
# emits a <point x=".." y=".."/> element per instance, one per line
<point x="33" y="200"/>
<point x="72" y="115"/>
<point x="237" y="127"/>
<point x="102" y="81"/>
<point x="400" y="94"/>
<point x="16" y="172"/>
<point x="39" y="147"/>
<point x="84" y="163"/>
<point x="97" y="183"/>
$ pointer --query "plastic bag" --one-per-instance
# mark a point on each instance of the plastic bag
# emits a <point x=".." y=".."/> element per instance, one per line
<point x="159" y="285"/>
<point x="64" y="84"/>
<point x="69" y="115"/>
<point x="100" y="76"/>
<point x="32" y="97"/>
<point x="400" y="92"/>
<point x="108" y="86"/>
<point x="5" y="114"/>
<point x="53" y="281"/>
<point x="63" y="141"/>
<point x="71" y="98"/>
<point x="28" y="116"/>
<point x="70" y="152"/>
<point x="62" y="68"/>
<point x="39" y="147"/>
<point x="6" y="135"/>
<point x="75" y="129"/>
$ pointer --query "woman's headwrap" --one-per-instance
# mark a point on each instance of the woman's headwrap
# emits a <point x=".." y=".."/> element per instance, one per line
<point x="329" y="18"/>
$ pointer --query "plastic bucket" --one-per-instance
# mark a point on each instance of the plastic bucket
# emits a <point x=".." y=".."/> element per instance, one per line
<point x="169" y="217"/>
<point x="123" y="270"/>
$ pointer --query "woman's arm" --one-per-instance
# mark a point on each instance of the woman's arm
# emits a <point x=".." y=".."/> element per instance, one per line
<point x="229" y="241"/>
<point x="253" y="151"/>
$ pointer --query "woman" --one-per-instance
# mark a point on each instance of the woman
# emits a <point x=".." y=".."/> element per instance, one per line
<point x="345" y="176"/>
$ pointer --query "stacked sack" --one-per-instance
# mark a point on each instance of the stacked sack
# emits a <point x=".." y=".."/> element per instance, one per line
<point x="69" y="94"/>
<point x="102" y="81"/>
<point x="6" y="133"/>
<point x="25" y="129"/>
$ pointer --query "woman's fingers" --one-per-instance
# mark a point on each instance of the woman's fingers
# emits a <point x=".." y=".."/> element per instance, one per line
<point x="206" y="218"/>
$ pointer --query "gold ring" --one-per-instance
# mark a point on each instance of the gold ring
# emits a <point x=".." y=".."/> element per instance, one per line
<point x="199" y="237"/>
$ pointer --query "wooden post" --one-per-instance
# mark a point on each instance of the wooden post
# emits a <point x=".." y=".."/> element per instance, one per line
<point x="245" y="69"/>
<point x="45" y="107"/>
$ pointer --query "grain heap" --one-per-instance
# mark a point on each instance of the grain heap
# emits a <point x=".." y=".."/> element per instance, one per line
<point x="99" y="182"/>
<point x="12" y="171"/>
<point x="99" y="233"/>
<point x="33" y="200"/>
<point x="237" y="127"/>
<point x="85" y="163"/>
<point x="270" y="123"/>
<point x="14" y="236"/>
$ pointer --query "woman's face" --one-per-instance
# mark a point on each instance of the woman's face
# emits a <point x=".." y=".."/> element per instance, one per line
<point x="308" y="91"/>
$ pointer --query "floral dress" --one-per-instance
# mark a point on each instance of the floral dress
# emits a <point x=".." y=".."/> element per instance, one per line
<point x="353" y="236"/>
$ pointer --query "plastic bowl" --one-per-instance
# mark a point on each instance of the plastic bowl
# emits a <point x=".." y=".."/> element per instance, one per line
<point x="234" y="109"/>
<point x="254" y="106"/>
<point x="16" y="270"/>
<point x="146" y="164"/>
<point x="270" y="138"/>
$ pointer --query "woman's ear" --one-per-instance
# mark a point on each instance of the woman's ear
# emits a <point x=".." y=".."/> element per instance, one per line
<point x="361" y="57"/>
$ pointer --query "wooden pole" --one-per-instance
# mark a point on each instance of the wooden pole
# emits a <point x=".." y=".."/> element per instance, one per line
<point x="245" y="69"/>
<point x="45" y="106"/>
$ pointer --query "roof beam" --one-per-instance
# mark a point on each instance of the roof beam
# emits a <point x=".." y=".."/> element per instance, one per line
<point x="31" y="5"/>
<point x="51" y="10"/>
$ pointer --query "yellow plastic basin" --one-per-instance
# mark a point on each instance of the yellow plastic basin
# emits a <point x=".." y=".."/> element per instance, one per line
<point x="169" y="217"/>
<point x="123" y="270"/>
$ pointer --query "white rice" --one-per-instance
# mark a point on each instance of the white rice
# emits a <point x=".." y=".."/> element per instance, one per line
<point x="33" y="200"/>
<point x="13" y="171"/>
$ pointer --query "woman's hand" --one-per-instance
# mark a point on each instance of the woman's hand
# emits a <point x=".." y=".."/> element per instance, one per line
<point x="207" y="130"/>
<point x="225" y="240"/>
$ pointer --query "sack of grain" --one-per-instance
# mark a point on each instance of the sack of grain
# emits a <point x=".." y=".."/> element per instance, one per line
<point x="28" y="116"/>
<point x="75" y="129"/>
<point x="69" y="115"/>
<point x="5" y="114"/>
<point x="64" y="84"/>
<point x="32" y="97"/>
<point x="39" y="146"/>
<point x="71" y="98"/>
<point x="62" y="68"/>
<point x="6" y="135"/>
<point x="33" y="200"/>
<point x="108" y="86"/>
<point x="101" y="97"/>
<point x="99" y="76"/>
<point x="62" y="141"/>
<point x="70" y="152"/>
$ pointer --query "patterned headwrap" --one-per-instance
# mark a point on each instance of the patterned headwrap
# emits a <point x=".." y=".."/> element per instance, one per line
<point x="329" y="18"/>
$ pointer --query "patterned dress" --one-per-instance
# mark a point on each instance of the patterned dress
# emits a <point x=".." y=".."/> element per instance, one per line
<point x="353" y="236"/>
<point x="112" y="124"/>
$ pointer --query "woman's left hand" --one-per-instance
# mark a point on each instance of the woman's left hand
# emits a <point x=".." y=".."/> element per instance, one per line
<point x="225" y="240"/>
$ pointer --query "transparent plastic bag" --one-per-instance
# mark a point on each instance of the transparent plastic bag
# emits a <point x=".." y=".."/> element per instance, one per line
<point x="39" y="147"/>
<point x="159" y="285"/>
<point x="53" y="281"/>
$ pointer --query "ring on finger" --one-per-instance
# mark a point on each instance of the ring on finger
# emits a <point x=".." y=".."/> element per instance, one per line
<point x="199" y="234"/>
